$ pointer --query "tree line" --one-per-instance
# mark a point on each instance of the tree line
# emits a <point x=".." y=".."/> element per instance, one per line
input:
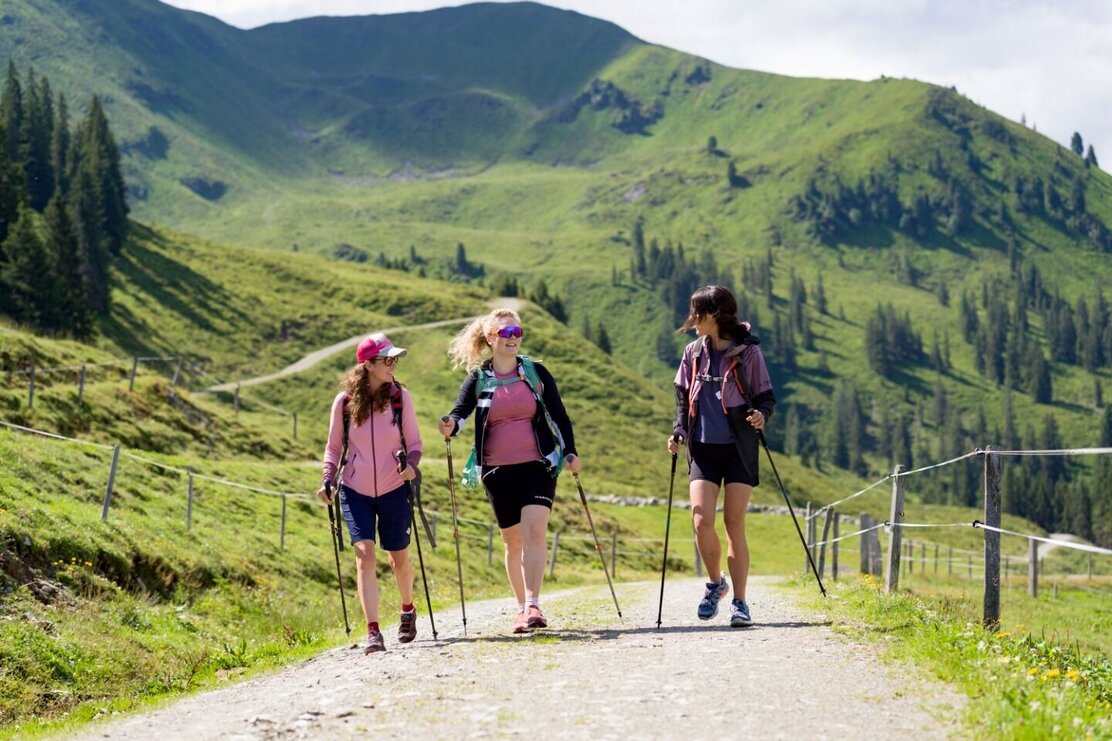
<point x="63" y="210"/>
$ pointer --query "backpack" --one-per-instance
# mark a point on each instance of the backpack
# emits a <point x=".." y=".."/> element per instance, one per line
<point x="527" y="372"/>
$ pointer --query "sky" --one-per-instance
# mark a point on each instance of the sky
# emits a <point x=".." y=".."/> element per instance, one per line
<point x="1046" y="61"/>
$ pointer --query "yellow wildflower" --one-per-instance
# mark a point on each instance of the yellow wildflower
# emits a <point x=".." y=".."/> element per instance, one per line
<point x="1073" y="675"/>
<point x="1032" y="671"/>
<point x="1003" y="634"/>
<point x="1051" y="673"/>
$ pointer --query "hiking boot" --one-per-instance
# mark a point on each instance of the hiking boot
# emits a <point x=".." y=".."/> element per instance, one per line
<point x="708" y="607"/>
<point x="407" y="627"/>
<point x="739" y="614"/>
<point x="375" y="642"/>
<point x="535" y="618"/>
<point x="521" y="622"/>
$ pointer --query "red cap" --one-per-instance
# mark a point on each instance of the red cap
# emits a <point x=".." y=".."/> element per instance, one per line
<point x="377" y="345"/>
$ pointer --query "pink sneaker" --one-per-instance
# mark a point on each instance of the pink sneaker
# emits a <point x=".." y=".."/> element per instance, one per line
<point x="520" y="623"/>
<point x="536" y="618"/>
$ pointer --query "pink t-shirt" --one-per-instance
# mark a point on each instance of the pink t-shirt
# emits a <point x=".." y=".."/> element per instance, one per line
<point x="509" y="431"/>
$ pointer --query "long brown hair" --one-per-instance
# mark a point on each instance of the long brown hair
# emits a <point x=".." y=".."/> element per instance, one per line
<point x="717" y="302"/>
<point x="361" y="402"/>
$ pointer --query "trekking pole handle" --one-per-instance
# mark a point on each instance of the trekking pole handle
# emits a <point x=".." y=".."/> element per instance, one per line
<point x="328" y="492"/>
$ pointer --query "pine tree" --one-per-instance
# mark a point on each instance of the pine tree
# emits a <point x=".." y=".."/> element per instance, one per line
<point x="1040" y="383"/>
<point x="88" y="216"/>
<point x="1076" y="144"/>
<point x="34" y="141"/>
<point x="820" y="296"/>
<point x="602" y="339"/>
<point x="60" y="145"/>
<point x="99" y="159"/>
<point x="11" y="194"/>
<point x="69" y="309"/>
<point x="1091" y="157"/>
<point x="11" y="113"/>
<point x="26" y="275"/>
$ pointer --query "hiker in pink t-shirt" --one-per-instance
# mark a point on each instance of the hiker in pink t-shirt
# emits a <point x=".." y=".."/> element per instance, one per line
<point x="517" y="452"/>
<point x="374" y="488"/>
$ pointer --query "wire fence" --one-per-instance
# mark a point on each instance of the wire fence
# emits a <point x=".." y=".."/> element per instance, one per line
<point x="901" y="555"/>
<point x="177" y="368"/>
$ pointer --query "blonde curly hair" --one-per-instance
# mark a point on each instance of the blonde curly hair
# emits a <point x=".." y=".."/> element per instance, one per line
<point x="470" y="347"/>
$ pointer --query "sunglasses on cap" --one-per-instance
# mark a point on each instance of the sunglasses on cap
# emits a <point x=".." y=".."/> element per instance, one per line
<point x="509" y="331"/>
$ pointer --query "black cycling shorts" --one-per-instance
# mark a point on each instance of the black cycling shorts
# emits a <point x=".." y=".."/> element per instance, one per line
<point x="511" y="488"/>
<point x="721" y="464"/>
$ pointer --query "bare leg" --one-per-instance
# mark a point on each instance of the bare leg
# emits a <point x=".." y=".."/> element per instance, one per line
<point x="511" y="538"/>
<point x="534" y="528"/>
<point x="704" y="498"/>
<point x="403" y="574"/>
<point x="733" y="513"/>
<point x="365" y="578"/>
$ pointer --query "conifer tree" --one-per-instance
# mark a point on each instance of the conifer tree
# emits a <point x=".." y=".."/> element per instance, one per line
<point x="69" y="308"/>
<point x="1076" y="144"/>
<point x="98" y="159"/>
<point x="602" y="339"/>
<point x="1091" y="157"/>
<point x="60" y="145"/>
<point x="11" y="113"/>
<point x="26" y="275"/>
<point x="11" y="194"/>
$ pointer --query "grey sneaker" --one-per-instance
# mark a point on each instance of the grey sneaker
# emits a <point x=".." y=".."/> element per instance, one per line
<point x="375" y="643"/>
<point x="739" y="614"/>
<point x="716" y="591"/>
<point x="407" y="627"/>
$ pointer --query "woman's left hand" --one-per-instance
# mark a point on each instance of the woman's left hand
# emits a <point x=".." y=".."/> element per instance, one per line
<point x="408" y="473"/>
<point x="756" y="419"/>
<point x="574" y="464"/>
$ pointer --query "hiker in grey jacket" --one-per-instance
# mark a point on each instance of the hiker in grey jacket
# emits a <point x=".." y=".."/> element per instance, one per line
<point x="723" y="398"/>
<point x="523" y="437"/>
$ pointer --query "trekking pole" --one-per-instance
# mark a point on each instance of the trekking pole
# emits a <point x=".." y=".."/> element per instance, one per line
<point x="455" y="528"/>
<point x="417" y="537"/>
<point x="810" y="559"/>
<point x="667" y="528"/>
<point x="332" y="529"/>
<point x="598" y="548"/>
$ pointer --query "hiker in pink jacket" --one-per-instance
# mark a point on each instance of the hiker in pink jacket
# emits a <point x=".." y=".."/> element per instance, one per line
<point x="374" y="489"/>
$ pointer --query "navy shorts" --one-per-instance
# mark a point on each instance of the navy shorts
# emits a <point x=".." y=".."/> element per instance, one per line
<point x="721" y="464"/>
<point x="511" y="488"/>
<point x="391" y="512"/>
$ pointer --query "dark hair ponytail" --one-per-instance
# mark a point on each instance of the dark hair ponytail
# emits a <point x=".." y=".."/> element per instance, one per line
<point x="718" y="302"/>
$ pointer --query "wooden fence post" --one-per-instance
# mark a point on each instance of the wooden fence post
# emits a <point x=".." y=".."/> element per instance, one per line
<point x="555" y="548"/>
<point x="865" y="522"/>
<point x="923" y="559"/>
<point x="970" y="561"/>
<point x="432" y="525"/>
<point x="894" y="537"/>
<point x="834" y="550"/>
<point x="949" y="560"/>
<point x="134" y="368"/>
<point x="31" y="387"/>
<point x="490" y="544"/>
<point x="235" y="401"/>
<point x="825" y="534"/>
<point x="282" y="532"/>
<point x="189" y="504"/>
<point x="1033" y="569"/>
<point x="111" y="483"/>
<point x="991" y="617"/>
<point x="1090" y="577"/>
<point x="910" y="556"/>
<point x="936" y="558"/>
<point x="295" y="425"/>
<point x="875" y="558"/>
<point x="177" y="371"/>
<point x="81" y="386"/>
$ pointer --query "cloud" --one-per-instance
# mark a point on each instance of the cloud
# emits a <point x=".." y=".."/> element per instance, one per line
<point x="1046" y="60"/>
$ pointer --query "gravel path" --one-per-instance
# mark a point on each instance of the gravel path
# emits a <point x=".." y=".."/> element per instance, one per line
<point x="588" y="676"/>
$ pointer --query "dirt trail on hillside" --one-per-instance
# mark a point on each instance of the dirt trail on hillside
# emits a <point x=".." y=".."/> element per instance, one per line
<point x="589" y="676"/>
<point x="317" y="356"/>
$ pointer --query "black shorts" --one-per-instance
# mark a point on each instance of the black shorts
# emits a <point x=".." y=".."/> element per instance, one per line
<point x="511" y="488"/>
<point x="721" y="464"/>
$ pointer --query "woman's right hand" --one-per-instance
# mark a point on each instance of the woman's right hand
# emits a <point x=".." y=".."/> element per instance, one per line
<point x="674" y="444"/>
<point x="447" y="426"/>
<point x="325" y="495"/>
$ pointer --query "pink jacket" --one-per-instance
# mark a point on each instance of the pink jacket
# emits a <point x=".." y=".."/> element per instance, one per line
<point x="372" y="463"/>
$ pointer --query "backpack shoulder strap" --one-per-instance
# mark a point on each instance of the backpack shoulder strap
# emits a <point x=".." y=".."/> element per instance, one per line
<point x="396" y="409"/>
<point x="347" y="423"/>
<point x="529" y="367"/>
